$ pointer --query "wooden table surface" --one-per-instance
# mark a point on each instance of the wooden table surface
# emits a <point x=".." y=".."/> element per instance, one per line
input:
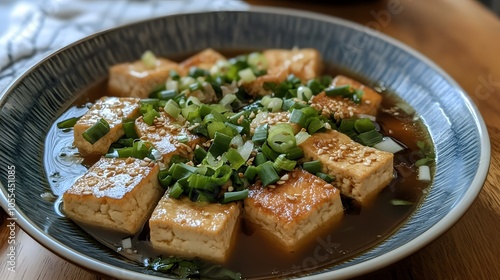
<point x="463" y="38"/>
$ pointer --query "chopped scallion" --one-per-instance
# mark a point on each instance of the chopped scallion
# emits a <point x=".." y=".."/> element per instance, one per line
<point x="267" y="173"/>
<point x="235" y="196"/>
<point x="68" y="123"/>
<point x="97" y="131"/>
<point x="312" y="166"/>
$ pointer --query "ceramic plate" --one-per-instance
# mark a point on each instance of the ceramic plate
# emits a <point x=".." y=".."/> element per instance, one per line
<point x="33" y="102"/>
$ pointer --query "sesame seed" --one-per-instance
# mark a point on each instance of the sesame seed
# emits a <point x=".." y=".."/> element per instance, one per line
<point x="147" y="159"/>
<point x="133" y="173"/>
<point x="328" y="186"/>
<point x="284" y="177"/>
<point x="151" y="128"/>
<point x="280" y="182"/>
<point x="240" y="175"/>
<point x="289" y="197"/>
<point x="320" y="151"/>
<point x="271" y="186"/>
<point x="129" y="160"/>
<point x="230" y="189"/>
<point x="86" y="192"/>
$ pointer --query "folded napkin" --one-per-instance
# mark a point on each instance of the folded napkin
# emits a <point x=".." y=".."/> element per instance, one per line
<point x="30" y="30"/>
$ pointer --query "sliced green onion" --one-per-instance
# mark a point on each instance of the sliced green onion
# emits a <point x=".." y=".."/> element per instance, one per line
<point x="275" y="105"/>
<point x="172" y="108"/>
<point x="215" y="127"/>
<point x="164" y="178"/>
<point x="234" y="158"/>
<point x="304" y="93"/>
<point x="172" y="85"/>
<point x="269" y="152"/>
<point x="424" y="173"/>
<point x="199" y="154"/>
<point x="167" y="94"/>
<point x="344" y="91"/>
<point x="258" y="60"/>
<point x="282" y="163"/>
<point x="68" y="123"/>
<point x="228" y="99"/>
<point x="267" y="173"/>
<point x="190" y="111"/>
<point x="149" y="59"/>
<point x="312" y="166"/>
<point x="370" y="138"/>
<point x="265" y="100"/>
<point x="325" y="177"/>
<point x="295" y="153"/>
<point x="301" y="137"/>
<point x="347" y="125"/>
<point x="174" y="75"/>
<point x="176" y="190"/>
<point x="246" y="150"/>
<point x="220" y="144"/>
<point x="400" y="202"/>
<point x="260" y="134"/>
<point x="315" y="86"/>
<point x="247" y="75"/>
<point x="129" y="128"/>
<point x="363" y="125"/>
<point x="315" y="124"/>
<point x="298" y="117"/>
<point x="196" y="72"/>
<point x="388" y="145"/>
<point x="96" y="132"/>
<point x="183" y="138"/>
<point x="181" y="170"/>
<point x="150" y="116"/>
<point x="235" y="196"/>
<point x="281" y="138"/>
<point x="250" y="172"/>
<point x="260" y="158"/>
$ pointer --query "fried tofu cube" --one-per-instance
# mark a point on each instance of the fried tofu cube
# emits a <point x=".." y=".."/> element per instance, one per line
<point x="116" y="194"/>
<point x="305" y="64"/>
<point x="273" y="118"/>
<point x="370" y="101"/>
<point x="113" y="110"/>
<point x="292" y="211"/>
<point x="204" y="60"/>
<point x="192" y="229"/>
<point x="340" y="108"/>
<point x="164" y="133"/>
<point x="137" y="80"/>
<point x="360" y="172"/>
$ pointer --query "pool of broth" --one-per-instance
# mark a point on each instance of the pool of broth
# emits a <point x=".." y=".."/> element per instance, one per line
<point x="254" y="254"/>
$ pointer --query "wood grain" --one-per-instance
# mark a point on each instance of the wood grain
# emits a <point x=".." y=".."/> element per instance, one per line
<point x="460" y="36"/>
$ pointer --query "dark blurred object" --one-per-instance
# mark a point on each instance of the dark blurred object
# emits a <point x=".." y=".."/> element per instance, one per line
<point x="493" y="5"/>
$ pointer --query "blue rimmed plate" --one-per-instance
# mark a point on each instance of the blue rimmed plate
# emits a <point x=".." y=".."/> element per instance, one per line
<point x="33" y="102"/>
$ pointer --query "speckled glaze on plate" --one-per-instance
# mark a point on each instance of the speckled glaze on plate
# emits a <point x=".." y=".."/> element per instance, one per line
<point x="32" y="103"/>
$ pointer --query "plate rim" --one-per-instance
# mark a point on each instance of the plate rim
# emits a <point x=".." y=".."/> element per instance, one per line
<point x="430" y="235"/>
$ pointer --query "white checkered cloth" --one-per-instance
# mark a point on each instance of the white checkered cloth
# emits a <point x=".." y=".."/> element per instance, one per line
<point x="30" y="30"/>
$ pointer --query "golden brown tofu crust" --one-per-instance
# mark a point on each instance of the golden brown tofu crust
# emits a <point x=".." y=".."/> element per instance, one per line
<point x="293" y="208"/>
<point x="115" y="193"/>
<point x="113" y="110"/>
<point x="340" y="108"/>
<point x="163" y="135"/>
<point x="360" y="172"/>
<point x="204" y="60"/>
<point x="193" y="229"/>
<point x="136" y="80"/>
<point x="305" y="64"/>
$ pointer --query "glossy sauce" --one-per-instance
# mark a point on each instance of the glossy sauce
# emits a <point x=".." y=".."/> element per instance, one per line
<point x="254" y="254"/>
